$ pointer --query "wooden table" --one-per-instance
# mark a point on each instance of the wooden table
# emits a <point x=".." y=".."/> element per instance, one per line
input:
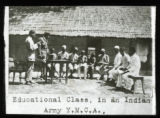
<point x="61" y="62"/>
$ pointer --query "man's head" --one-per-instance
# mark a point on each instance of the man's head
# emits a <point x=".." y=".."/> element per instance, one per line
<point x="116" y="48"/>
<point x="92" y="55"/>
<point x="46" y="35"/>
<point x="132" y="50"/>
<point x="52" y="50"/>
<point x="75" y="49"/>
<point x="82" y="52"/>
<point x="64" y="47"/>
<point x="122" y="50"/>
<point x="103" y="51"/>
<point x="32" y="33"/>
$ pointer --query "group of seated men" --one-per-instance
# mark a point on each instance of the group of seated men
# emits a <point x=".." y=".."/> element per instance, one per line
<point x="124" y="64"/>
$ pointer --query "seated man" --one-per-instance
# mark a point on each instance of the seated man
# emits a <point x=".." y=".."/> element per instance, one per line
<point x="82" y="61"/>
<point x="117" y="62"/>
<point x="91" y="65"/>
<point x="103" y="61"/>
<point x="11" y="62"/>
<point x="52" y="68"/>
<point x="62" y="55"/>
<point x="73" y="57"/>
<point x="123" y="67"/>
<point x="133" y="68"/>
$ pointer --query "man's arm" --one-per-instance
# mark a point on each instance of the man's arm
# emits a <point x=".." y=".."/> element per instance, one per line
<point x="118" y="63"/>
<point x="107" y="59"/>
<point x="31" y="46"/>
<point x="67" y="56"/>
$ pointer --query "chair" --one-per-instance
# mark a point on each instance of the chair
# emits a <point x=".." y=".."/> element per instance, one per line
<point x="135" y="78"/>
<point x="17" y="66"/>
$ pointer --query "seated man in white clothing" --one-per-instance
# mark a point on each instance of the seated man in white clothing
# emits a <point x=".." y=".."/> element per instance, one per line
<point x="73" y="66"/>
<point x="82" y="61"/>
<point x="133" y="68"/>
<point x="103" y="61"/>
<point x="62" y="55"/>
<point x="117" y="63"/>
<point x="52" y="68"/>
<point x="123" y="66"/>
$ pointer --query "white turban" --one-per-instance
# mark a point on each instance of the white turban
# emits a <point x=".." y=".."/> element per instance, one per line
<point x="64" y="46"/>
<point x="103" y="50"/>
<point x="117" y="47"/>
<point x="76" y="48"/>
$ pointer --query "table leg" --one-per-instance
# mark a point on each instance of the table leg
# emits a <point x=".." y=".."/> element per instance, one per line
<point x="134" y="87"/>
<point x="20" y="76"/>
<point x="142" y="81"/>
<point x="46" y="73"/>
<point x="61" y="67"/>
<point x="14" y="75"/>
<point x="66" y="80"/>
<point x="51" y="73"/>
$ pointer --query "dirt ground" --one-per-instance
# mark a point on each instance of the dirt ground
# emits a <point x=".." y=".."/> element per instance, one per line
<point x="76" y="87"/>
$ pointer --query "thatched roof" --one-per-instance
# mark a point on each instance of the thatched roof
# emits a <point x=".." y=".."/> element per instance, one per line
<point x="101" y="21"/>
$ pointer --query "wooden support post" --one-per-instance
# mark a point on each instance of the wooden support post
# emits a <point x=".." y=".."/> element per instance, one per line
<point x="14" y="75"/>
<point x="142" y="81"/>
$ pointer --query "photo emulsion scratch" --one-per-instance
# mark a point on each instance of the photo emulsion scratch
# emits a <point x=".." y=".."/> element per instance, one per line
<point x="80" y="60"/>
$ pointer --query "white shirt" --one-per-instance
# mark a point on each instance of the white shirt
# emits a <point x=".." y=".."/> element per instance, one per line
<point x="125" y="60"/>
<point x="31" y="47"/>
<point x="64" y="55"/>
<point x="117" y="60"/>
<point x="103" y="58"/>
<point x="135" y="64"/>
<point x="73" y="57"/>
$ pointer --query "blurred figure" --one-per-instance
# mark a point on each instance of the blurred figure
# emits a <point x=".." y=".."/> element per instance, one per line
<point x="117" y="63"/>
<point x="73" y="57"/>
<point x="122" y="68"/>
<point x="52" y="68"/>
<point x="62" y="55"/>
<point x="133" y="69"/>
<point x="12" y="61"/>
<point x="125" y="59"/>
<point x="43" y="51"/>
<point x="31" y="47"/>
<point x="82" y="60"/>
<point x="12" y="64"/>
<point x="103" y="61"/>
<point x="91" y="65"/>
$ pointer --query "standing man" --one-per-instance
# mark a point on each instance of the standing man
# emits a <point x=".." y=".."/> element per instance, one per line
<point x="103" y="61"/>
<point x="43" y="51"/>
<point x="73" y="57"/>
<point x="31" y="47"/>
<point x="82" y="64"/>
<point x="62" y="55"/>
<point x="117" y="63"/>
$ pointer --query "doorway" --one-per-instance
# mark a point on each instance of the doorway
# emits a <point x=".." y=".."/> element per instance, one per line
<point x="93" y="45"/>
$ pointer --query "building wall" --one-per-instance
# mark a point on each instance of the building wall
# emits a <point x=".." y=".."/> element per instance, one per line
<point x="18" y="49"/>
<point x="17" y="46"/>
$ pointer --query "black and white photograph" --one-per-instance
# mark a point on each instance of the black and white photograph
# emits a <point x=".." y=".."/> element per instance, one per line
<point x="80" y="60"/>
